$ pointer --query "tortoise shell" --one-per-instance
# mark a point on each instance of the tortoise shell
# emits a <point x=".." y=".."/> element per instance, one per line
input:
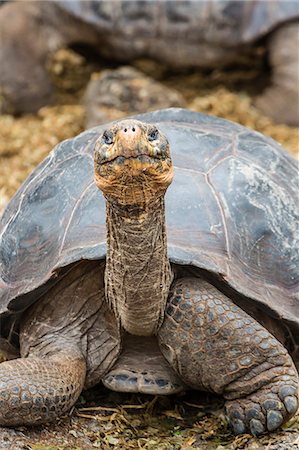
<point x="225" y="23"/>
<point x="231" y="210"/>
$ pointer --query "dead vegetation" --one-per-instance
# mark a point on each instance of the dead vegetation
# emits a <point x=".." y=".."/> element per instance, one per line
<point x="106" y="420"/>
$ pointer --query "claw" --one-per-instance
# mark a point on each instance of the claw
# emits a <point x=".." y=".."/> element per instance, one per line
<point x="291" y="404"/>
<point x="274" y="420"/>
<point x="238" y="426"/>
<point x="256" y="427"/>
<point x="285" y="391"/>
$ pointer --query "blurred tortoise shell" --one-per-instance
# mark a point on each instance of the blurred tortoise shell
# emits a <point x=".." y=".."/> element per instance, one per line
<point x="231" y="213"/>
<point x="225" y="23"/>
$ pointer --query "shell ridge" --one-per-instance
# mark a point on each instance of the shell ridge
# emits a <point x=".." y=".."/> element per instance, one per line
<point x="222" y="215"/>
<point x="72" y="215"/>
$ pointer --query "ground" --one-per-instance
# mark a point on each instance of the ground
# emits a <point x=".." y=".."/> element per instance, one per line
<point x="102" y="419"/>
<point x="107" y="420"/>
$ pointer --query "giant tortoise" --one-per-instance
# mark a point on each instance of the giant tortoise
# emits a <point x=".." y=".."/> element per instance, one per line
<point x="202" y="298"/>
<point x="204" y="33"/>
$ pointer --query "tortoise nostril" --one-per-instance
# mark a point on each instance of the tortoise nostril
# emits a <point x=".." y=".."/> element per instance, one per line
<point x="130" y="129"/>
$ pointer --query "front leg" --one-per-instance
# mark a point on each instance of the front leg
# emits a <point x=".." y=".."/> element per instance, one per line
<point x="68" y="340"/>
<point x="35" y="390"/>
<point x="215" y="346"/>
<point x="280" y="100"/>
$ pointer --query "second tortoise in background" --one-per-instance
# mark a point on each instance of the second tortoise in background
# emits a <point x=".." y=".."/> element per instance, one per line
<point x="180" y="34"/>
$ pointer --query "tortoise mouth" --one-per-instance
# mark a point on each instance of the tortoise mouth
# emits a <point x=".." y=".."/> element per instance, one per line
<point x="127" y="160"/>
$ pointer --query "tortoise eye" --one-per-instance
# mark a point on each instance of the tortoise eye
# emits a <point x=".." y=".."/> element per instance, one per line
<point x="153" y="135"/>
<point x="108" y="137"/>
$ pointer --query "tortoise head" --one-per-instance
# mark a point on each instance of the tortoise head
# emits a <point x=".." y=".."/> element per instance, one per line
<point x="132" y="163"/>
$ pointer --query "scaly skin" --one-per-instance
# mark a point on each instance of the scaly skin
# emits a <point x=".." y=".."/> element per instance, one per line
<point x="55" y="334"/>
<point x="215" y="346"/>
<point x="133" y="169"/>
<point x="36" y="390"/>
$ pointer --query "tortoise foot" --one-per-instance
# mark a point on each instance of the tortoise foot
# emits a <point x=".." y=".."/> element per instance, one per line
<point x="215" y="346"/>
<point x="265" y="410"/>
<point x="280" y="104"/>
<point x="36" y="390"/>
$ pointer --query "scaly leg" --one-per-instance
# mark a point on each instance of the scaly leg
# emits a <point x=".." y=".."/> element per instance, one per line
<point x="68" y="340"/>
<point x="215" y="346"/>
<point x="280" y="101"/>
<point x="36" y="390"/>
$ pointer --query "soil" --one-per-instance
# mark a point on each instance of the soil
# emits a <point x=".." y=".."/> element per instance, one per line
<point x="102" y="419"/>
<point x="107" y="420"/>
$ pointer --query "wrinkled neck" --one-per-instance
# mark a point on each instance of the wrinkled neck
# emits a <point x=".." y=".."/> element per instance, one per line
<point x="138" y="273"/>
